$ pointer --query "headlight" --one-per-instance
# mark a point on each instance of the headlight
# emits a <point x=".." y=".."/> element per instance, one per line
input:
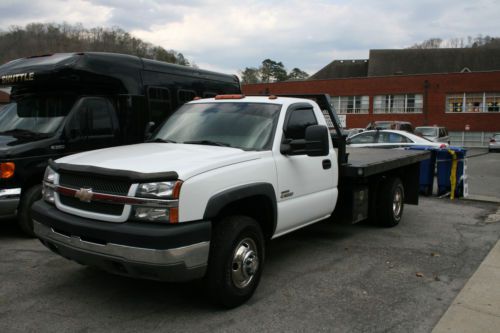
<point x="159" y="190"/>
<point x="162" y="191"/>
<point x="47" y="190"/>
<point x="49" y="175"/>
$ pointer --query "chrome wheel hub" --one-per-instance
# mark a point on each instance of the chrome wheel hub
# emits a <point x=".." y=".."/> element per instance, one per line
<point x="397" y="202"/>
<point x="245" y="263"/>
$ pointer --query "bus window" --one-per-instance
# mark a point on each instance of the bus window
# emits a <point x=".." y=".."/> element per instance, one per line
<point x="159" y="104"/>
<point x="184" y="96"/>
<point x="209" y="94"/>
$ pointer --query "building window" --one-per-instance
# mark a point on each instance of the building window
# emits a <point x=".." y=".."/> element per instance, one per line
<point x="482" y="102"/>
<point x="492" y="102"/>
<point x="350" y="104"/>
<point x="408" y="103"/>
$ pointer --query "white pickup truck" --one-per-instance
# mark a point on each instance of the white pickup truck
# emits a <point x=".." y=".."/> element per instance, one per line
<point x="220" y="178"/>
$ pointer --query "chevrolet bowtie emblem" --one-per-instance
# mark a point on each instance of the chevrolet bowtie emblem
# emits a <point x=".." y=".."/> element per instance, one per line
<point x="84" y="194"/>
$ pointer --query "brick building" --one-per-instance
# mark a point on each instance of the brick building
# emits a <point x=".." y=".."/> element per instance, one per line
<point x="446" y="87"/>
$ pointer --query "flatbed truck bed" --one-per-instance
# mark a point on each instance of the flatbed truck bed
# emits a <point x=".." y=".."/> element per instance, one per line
<point x="366" y="162"/>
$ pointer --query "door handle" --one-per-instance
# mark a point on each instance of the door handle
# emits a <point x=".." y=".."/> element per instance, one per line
<point x="327" y="164"/>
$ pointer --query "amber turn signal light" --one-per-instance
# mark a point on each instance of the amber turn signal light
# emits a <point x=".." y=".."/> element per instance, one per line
<point x="7" y="170"/>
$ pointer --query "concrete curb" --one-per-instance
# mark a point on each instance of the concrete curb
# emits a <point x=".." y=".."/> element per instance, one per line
<point x="477" y="306"/>
<point x="483" y="198"/>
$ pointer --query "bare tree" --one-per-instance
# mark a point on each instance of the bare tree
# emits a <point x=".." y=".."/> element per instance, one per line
<point x="468" y="42"/>
<point x="44" y="38"/>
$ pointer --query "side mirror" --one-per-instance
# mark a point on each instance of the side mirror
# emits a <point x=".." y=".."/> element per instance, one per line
<point x="316" y="143"/>
<point x="317" y="140"/>
<point x="147" y="130"/>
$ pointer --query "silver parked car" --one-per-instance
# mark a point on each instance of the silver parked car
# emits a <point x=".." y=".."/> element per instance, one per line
<point x="434" y="133"/>
<point x="390" y="139"/>
<point x="494" y="142"/>
<point x="352" y="131"/>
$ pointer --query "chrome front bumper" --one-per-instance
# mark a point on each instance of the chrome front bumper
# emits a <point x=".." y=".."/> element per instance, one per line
<point x="176" y="264"/>
<point x="9" y="201"/>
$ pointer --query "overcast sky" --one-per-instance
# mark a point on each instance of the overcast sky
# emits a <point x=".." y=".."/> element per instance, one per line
<point x="230" y="35"/>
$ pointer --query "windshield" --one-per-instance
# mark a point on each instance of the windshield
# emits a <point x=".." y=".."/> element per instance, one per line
<point x="427" y="131"/>
<point x="35" y="114"/>
<point x="248" y="126"/>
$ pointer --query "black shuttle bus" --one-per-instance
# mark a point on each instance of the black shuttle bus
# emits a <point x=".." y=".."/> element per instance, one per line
<point x="71" y="102"/>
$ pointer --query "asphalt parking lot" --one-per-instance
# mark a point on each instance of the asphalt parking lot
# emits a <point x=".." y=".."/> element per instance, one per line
<point x="326" y="277"/>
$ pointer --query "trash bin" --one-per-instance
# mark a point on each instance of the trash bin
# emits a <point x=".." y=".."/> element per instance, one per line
<point x="427" y="168"/>
<point x="445" y="168"/>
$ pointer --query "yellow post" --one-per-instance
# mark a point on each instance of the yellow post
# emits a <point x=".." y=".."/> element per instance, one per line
<point x="453" y="173"/>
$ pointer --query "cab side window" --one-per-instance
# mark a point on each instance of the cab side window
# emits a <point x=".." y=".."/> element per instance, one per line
<point x="94" y="116"/>
<point x="297" y="123"/>
<point x="100" y="119"/>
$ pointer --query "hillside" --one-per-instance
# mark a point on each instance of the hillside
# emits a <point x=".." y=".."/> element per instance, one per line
<point x="46" y="38"/>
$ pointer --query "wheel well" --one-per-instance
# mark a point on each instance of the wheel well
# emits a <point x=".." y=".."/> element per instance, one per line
<point x="409" y="176"/>
<point x="32" y="181"/>
<point x="258" y="207"/>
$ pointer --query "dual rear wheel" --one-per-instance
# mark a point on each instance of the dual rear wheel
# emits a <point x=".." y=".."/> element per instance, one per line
<point x="389" y="202"/>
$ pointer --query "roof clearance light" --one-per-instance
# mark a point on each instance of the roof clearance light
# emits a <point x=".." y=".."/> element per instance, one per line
<point x="230" y="96"/>
<point x="273" y="97"/>
<point x="196" y="98"/>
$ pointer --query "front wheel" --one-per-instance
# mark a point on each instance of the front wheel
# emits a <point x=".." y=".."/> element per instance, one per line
<point x="390" y="202"/>
<point x="24" y="214"/>
<point x="236" y="260"/>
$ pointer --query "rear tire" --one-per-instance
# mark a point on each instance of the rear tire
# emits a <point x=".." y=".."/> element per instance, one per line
<point x="24" y="212"/>
<point x="390" y="202"/>
<point x="236" y="260"/>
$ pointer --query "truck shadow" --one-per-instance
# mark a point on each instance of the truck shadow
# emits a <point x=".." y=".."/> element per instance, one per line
<point x="9" y="229"/>
<point x="117" y="292"/>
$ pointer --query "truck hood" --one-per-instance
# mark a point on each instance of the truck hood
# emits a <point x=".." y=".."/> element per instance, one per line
<point x="187" y="160"/>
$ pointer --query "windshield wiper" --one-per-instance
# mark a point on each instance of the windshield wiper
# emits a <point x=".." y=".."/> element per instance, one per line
<point x="208" y="142"/>
<point x="162" y="140"/>
<point x="23" y="132"/>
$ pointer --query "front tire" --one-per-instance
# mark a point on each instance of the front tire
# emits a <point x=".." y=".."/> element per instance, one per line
<point x="24" y="213"/>
<point x="390" y="202"/>
<point x="236" y="260"/>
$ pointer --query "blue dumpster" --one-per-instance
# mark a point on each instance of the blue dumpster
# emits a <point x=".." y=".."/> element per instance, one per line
<point x="445" y="168"/>
<point x="427" y="168"/>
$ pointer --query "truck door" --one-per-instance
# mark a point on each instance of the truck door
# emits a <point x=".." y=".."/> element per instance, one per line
<point x="307" y="185"/>
<point x="92" y="125"/>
